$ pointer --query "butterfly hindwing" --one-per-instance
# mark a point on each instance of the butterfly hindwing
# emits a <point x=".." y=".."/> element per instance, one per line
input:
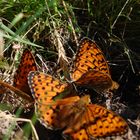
<point x="96" y="80"/>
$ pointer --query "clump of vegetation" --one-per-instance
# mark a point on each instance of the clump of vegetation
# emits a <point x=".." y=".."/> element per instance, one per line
<point x="52" y="29"/>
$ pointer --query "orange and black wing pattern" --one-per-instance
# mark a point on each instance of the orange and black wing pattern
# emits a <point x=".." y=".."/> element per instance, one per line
<point x="83" y="120"/>
<point x="44" y="89"/>
<point x="26" y="65"/>
<point x="90" y="67"/>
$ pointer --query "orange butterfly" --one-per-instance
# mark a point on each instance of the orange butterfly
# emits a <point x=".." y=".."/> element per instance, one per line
<point x="91" y="68"/>
<point x="76" y="116"/>
<point x="26" y="65"/>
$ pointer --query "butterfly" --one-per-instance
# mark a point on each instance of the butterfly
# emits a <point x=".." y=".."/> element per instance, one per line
<point x="76" y="116"/>
<point x="91" y="69"/>
<point x="26" y="65"/>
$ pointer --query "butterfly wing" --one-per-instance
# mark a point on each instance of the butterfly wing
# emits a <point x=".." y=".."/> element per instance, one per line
<point x="88" y="57"/>
<point x="44" y="89"/>
<point x="80" y="135"/>
<point x="107" y="122"/>
<point x="97" y="80"/>
<point x="26" y="65"/>
<point x="91" y="68"/>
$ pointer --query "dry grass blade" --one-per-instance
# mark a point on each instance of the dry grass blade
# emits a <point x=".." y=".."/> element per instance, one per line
<point x="10" y="128"/>
<point x="1" y="45"/>
<point x="17" y="91"/>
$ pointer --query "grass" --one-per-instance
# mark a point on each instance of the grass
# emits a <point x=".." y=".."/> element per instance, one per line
<point x="54" y="28"/>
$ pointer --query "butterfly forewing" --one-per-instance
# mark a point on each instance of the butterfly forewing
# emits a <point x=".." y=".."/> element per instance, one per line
<point x="26" y="65"/>
<point x="44" y="88"/>
<point x="105" y="123"/>
<point x="89" y="56"/>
